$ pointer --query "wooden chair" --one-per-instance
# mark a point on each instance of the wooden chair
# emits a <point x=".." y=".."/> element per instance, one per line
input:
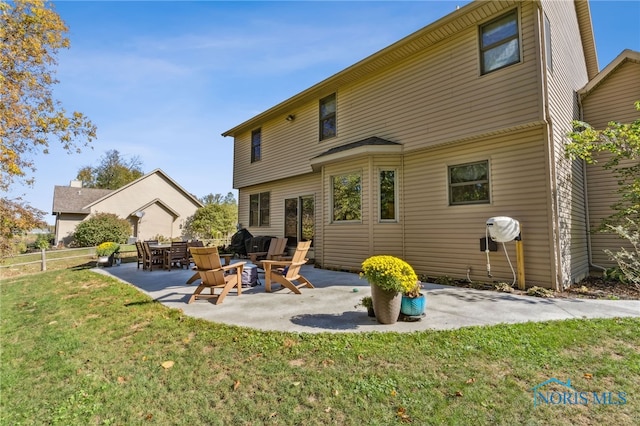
<point x="140" y="251"/>
<point x="213" y="275"/>
<point x="191" y="244"/>
<point x="287" y="272"/>
<point x="151" y="257"/>
<point x="277" y="247"/>
<point x="176" y="255"/>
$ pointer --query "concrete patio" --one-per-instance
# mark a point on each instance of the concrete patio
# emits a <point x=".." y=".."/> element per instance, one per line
<point x="330" y="307"/>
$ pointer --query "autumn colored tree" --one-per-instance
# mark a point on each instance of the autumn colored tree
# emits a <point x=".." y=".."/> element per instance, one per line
<point x="113" y="172"/>
<point x="31" y="34"/>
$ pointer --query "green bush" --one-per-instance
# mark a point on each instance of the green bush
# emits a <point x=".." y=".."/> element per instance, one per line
<point x="102" y="227"/>
<point x="43" y="241"/>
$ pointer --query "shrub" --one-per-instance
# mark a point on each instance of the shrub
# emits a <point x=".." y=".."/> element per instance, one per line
<point x="43" y="241"/>
<point x="102" y="227"/>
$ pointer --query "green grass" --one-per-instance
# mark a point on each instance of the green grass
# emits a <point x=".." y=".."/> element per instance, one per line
<point x="80" y="348"/>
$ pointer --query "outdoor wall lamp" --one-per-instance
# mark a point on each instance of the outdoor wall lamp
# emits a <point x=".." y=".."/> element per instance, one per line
<point x="291" y="117"/>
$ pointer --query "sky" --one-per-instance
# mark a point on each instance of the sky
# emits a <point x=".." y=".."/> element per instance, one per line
<point x="162" y="80"/>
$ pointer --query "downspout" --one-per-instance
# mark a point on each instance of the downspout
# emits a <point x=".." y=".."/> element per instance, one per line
<point x="401" y="205"/>
<point x="322" y="230"/>
<point x="549" y="144"/>
<point x="586" y="200"/>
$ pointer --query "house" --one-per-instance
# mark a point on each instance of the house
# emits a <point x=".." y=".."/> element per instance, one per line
<point x="411" y="150"/>
<point x="608" y="97"/>
<point x="154" y="204"/>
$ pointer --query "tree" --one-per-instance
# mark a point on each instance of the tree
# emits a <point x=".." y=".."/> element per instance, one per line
<point x="218" y="217"/>
<point x="621" y="143"/>
<point x="100" y="228"/>
<point x="31" y="34"/>
<point x="16" y="217"/>
<point x="113" y="172"/>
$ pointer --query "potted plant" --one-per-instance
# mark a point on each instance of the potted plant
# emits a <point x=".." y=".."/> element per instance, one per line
<point x="390" y="277"/>
<point x="367" y="302"/>
<point x="106" y="251"/>
<point x="414" y="301"/>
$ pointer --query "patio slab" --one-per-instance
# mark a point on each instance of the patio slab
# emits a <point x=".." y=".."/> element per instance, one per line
<point x="330" y="307"/>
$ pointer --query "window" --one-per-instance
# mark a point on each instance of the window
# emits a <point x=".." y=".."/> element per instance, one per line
<point x="328" y="117"/>
<point x="388" y="195"/>
<point x="256" y="142"/>
<point x="469" y="183"/>
<point x="347" y="200"/>
<point x="500" y="43"/>
<point x="547" y="42"/>
<point x="259" y="209"/>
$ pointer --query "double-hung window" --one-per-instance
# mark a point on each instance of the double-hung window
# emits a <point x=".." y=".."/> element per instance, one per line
<point x="256" y="145"/>
<point x="500" y="42"/>
<point x="328" y="117"/>
<point x="469" y="183"/>
<point x="259" y="209"/>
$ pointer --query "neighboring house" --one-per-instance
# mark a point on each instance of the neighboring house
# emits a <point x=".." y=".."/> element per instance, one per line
<point x="154" y="204"/>
<point x="608" y="97"/>
<point x="409" y="151"/>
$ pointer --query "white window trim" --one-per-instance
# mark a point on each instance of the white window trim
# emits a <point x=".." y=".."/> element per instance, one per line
<point x="395" y="195"/>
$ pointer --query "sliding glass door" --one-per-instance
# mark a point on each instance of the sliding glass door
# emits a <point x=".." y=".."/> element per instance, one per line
<point x="299" y="219"/>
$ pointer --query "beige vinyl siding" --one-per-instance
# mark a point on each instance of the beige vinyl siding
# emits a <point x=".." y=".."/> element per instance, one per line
<point x="386" y="237"/>
<point x="611" y="100"/>
<point x="435" y="96"/>
<point x="308" y="184"/>
<point x="569" y="74"/>
<point x="346" y="244"/>
<point x="444" y="240"/>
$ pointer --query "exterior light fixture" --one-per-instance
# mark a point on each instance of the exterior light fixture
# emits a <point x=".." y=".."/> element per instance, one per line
<point x="291" y="117"/>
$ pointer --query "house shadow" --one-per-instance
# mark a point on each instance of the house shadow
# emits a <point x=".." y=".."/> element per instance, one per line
<point x="351" y="320"/>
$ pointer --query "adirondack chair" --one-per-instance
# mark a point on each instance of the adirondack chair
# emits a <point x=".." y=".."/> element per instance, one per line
<point x="190" y="244"/>
<point x="277" y="247"/>
<point x="287" y="272"/>
<point x="213" y="275"/>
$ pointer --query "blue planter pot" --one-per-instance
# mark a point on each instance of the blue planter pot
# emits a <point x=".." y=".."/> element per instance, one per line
<point x="413" y="306"/>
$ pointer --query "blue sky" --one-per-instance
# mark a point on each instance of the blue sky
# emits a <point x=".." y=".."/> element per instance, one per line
<point x="163" y="80"/>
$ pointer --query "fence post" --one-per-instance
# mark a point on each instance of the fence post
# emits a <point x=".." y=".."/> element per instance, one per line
<point x="44" y="260"/>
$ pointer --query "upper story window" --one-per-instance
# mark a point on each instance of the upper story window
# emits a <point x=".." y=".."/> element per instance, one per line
<point x="259" y="209"/>
<point x="347" y="197"/>
<point x="500" y="42"/>
<point x="469" y="183"/>
<point x="328" y="117"/>
<point x="256" y="144"/>
<point x="388" y="196"/>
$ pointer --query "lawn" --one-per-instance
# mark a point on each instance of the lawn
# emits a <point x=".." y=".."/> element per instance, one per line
<point x="81" y="348"/>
